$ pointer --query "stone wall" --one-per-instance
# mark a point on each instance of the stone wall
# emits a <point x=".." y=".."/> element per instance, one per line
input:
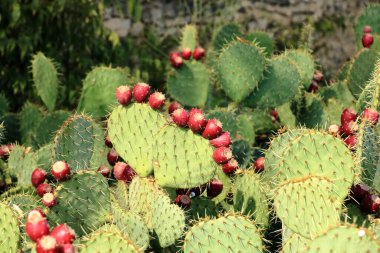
<point x="333" y="41"/>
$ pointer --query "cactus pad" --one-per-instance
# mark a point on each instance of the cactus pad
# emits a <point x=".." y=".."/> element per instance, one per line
<point x="311" y="112"/>
<point x="224" y="35"/>
<point x="295" y="243"/>
<point x="121" y="194"/>
<point x="189" y="37"/>
<point x="305" y="62"/>
<point x="240" y="68"/>
<point x="30" y="119"/>
<point x="231" y="233"/>
<point x="263" y="40"/>
<point x="22" y="161"/>
<point x="9" y="231"/>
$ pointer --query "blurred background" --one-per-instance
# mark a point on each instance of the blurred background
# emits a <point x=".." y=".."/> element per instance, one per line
<point x="138" y="35"/>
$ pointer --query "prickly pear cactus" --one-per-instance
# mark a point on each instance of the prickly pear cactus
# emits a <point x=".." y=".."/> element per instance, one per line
<point x="9" y="230"/>
<point x="189" y="37"/>
<point x="224" y="35"/>
<point x="22" y="161"/>
<point x="305" y="64"/>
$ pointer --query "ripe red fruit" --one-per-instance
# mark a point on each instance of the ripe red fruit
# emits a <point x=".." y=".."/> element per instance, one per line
<point x="124" y="94"/>
<point x="370" y="203"/>
<point x="141" y="91"/>
<point x="112" y="157"/>
<point x="63" y="234"/>
<point x="224" y="140"/>
<point x="348" y="115"/>
<point x="123" y="172"/>
<point x="274" y="115"/>
<point x="177" y="62"/>
<point x="44" y="188"/>
<point x="212" y="129"/>
<point x="350" y="127"/>
<point x="222" y="155"/>
<point x="4" y="151"/>
<point x="36" y="225"/>
<point x="156" y="100"/>
<point x="259" y="164"/>
<point x="199" y="53"/>
<point x="367" y="40"/>
<point x="49" y="199"/>
<point x="34" y="212"/>
<point x="351" y="141"/>
<point x="371" y="115"/>
<point x="313" y="87"/>
<point x="180" y="117"/>
<point x="104" y="170"/>
<point x="186" y="53"/>
<point x="230" y="167"/>
<point x="60" y="170"/>
<point x="367" y="29"/>
<point x="173" y="55"/>
<point x="318" y="76"/>
<point x="214" y="188"/>
<point x="359" y="191"/>
<point x="334" y="130"/>
<point x="65" y="248"/>
<point x="183" y="201"/>
<point x="38" y="177"/>
<point x="46" y="244"/>
<point x="107" y="142"/>
<point x="197" y="121"/>
<point x="174" y="106"/>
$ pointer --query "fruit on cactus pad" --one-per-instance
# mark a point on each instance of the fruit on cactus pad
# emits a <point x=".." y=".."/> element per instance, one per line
<point x="230" y="166"/>
<point x="104" y="170"/>
<point x="141" y="91"/>
<point x="214" y="188"/>
<point x="112" y="157"/>
<point x="180" y="117"/>
<point x="222" y="155"/>
<point x="38" y="177"/>
<point x="46" y="244"/>
<point x="370" y="204"/>
<point x="174" y="106"/>
<point x="351" y="141"/>
<point x="367" y="29"/>
<point x="197" y="121"/>
<point x="108" y="142"/>
<point x="213" y="129"/>
<point x="348" y="115"/>
<point x="174" y="54"/>
<point x="334" y="129"/>
<point x="63" y="234"/>
<point x="224" y="140"/>
<point x="186" y="53"/>
<point x="124" y="94"/>
<point x="156" y="100"/>
<point x="123" y="172"/>
<point x="65" y="248"/>
<point x="44" y="188"/>
<point x="359" y="191"/>
<point x="350" y="127"/>
<point x="367" y="40"/>
<point x="259" y="164"/>
<point x="177" y="62"/>
<point x="49" y="200"/>
<point x="183" y="200"/>
<point x="60" y="170"/>
<point x="199" y="53"/>
<point x="36" y="225"/>
<point x="371" y="115"/>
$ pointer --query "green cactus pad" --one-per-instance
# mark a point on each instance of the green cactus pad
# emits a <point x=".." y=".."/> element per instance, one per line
<point x="75" y="141"/>
<point x="375" y="227"/>
<point x="224" y="35"/>
<point x="202" y="207"/>
<point x="262" y="122"/>
<point x="262" y="39"/>
<point x="230" y="233"/>
<point x="132" y="131"/>
<point x="45" y="78"/>
<point x="30" y="119"/>
<point x="369" y="16"/>
<point x="361" y="70"/>
<point x="242" y="152"/>
<point x="279" y="85"/>
<point x="287" y="118"/>
<point x="22" y="203"/>
<point x="189" y="37"/>
<point x="240" y="68"/>
<point x="182" y="159"/>
<point x="11" y="123"/>
<point x="189" y="84"/>
<point x="250" y="198"/>
<point x="83" y="202"/>
<point x="345" y="238"/>
<point x="99" y="90"/>
<point x="294" y="244"/>
<point x="22" y="161"/>
<point x="45" y="157"/>
<point x="9" y="231"/>
<point x="132" y="226"/>
<point x="311" y="112"/>
<point x="338" y="90"/>
<point x="121" y="194"/>
<point x="305" y="205"/>
<point x="305" y="62"/>
<point x="111" y="241"/>
<point x="343" y="71"/>
<point x="4" y="106"/>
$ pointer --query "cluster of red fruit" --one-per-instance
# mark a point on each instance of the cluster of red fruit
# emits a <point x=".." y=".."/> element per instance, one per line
<point x="367" y="38"/>
<point x="177" y="60"/>
<point x="60" y="171"/>
<point x="59" y="240"/>
<point x="369" y="202"/>
<point x="349" y="125"/>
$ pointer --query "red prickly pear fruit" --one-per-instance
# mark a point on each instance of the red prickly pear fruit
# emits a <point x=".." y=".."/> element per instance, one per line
<point x="63" y="234"/>
<point x="105" y="171"/>
<point x="214" y="188"/>
<point x="107" y="142"/>
<point x="259" y="164"/>
<point x="371" y="115"/>
<point x="180" y="117"/>
<point x="44" y="188"/>
<point x="199" y="53"/>
<point x="49" y="199"/>
<point x="351" y="141"/>
<point x="177" y="62"/>
<point x="224" y="140"/>
<point x="46" y="244"/>
<point x="367" y="29"/>
<point x="66" y="248"/>
<point x="173" y="55"/>
<point x="350" y="127"/>
<point x="183" y="201"/>
<point x="35" y="212"/>
<point x="174" y="106"/>
<point x="318" y="76"/>
<point x="274" y="115"/>
<point x="194" y="111"/>
<point x="156" y="100"/>
<point x="192" y="192"/>
<point x="186" y="53"/>
<point x="141" y="91"/>
<point x="38" y="177"/>
<point x="359" y="191"/>
<point x="4" y="151"/>
<point x="197" y="122"/>
<point x="213" y="129"/>
<point x="334" y="130"/>
<point x="222" y="155"/>
<point x="124" y="94"/>
<point x="36" y="225"/>
<point x="370" y="204"/>
<point x="348" y="115"/>
<point x="313" y="87"/>
<point x="112" y="157"/>
<point x="60" y="170"/>
<point x="230" y="167"/>
<point x="367" y="40"/>
<point x="123" y="172"/>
